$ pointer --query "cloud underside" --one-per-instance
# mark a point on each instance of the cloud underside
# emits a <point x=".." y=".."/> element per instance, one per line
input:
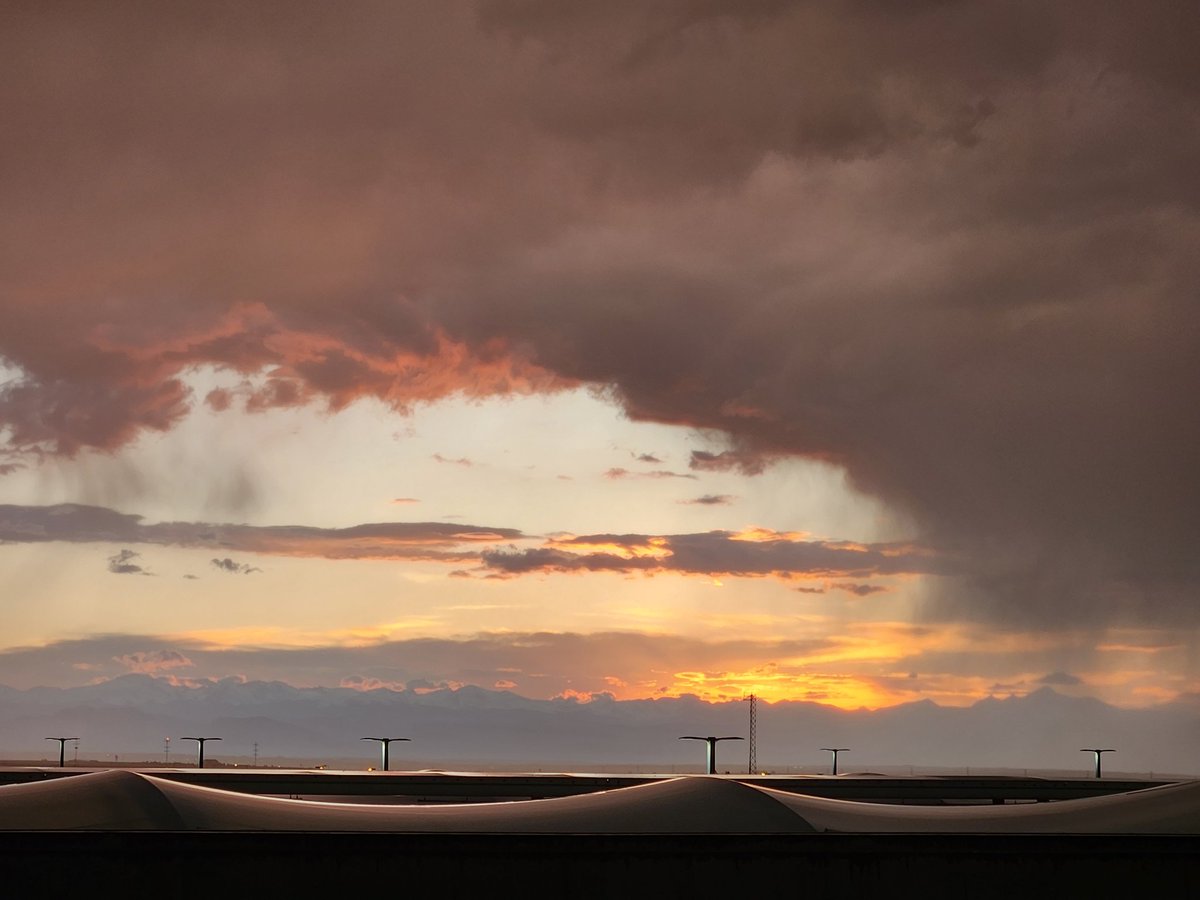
<point x="949" y="247"/>
<point x="74" y="523"/>
<point x="720" y="553"/>
<point x="754" y="553"/>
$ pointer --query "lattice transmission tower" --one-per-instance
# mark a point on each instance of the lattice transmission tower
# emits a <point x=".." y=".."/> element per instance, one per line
<point x="752" y="763"/>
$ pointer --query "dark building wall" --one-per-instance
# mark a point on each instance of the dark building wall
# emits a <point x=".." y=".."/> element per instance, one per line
<point x="196" y="864"/>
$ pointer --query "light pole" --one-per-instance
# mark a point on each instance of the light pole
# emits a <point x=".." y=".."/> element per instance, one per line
<point x="200" y="741"/>
<point x="711" y="752"/>
<point x="1097" y="751"/>
<point x="835" y="751"/>
<point x="62" y="748"/>
<point x="384" y="743"/>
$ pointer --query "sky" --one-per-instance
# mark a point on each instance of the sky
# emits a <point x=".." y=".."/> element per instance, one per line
<point x="836" y="350"/>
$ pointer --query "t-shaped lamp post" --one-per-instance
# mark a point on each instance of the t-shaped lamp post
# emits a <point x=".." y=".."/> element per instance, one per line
<point x="62" y="748"/>
<point x="200" y="741"/>
<point x="384" y="742"/>
<point x="835" y="751"/>
<point x="711" y="754"/>
<point x="1097" y="751"/>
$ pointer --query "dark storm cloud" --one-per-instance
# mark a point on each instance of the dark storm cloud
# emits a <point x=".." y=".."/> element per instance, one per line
<point x="747" y="462"/>
<point x="949" y="247"/>
<point x="383" y="540"/>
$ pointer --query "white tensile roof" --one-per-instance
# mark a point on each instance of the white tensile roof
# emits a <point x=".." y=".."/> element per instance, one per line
<point x="123" y="800"/>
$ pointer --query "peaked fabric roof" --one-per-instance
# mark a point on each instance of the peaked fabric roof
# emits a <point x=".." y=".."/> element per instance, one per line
<point x="120" y="800"/>
<point x="1165" y="809"/>
<point x="127" y="800"/>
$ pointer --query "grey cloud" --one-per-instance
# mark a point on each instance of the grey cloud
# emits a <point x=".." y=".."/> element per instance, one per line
<point x="1060" y="678"/>
<point x="749" y="463"/>
<point x="618" y="472"/>
<point x="548" y="559"/>
<point x="234" y="568"/>
<point x="122" y="563"/>
<point x="948" y="247"/>
<point x="722" y="553"/>
<point x="859" y="590"/>
<point x="151" y="661"/>
<point x="711" y="500"/>
<point x="461" y="461"/>
<point x="383" y="540"/>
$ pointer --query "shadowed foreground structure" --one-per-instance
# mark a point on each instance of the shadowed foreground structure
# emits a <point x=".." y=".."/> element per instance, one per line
<point x="680" y="835"/>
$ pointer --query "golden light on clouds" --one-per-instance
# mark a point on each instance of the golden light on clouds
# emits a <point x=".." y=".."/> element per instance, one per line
<point x="766" y="535"/>
<point x="784" y="683"/>
<point x="282" y="638"/>
<point x="653" y="548"/>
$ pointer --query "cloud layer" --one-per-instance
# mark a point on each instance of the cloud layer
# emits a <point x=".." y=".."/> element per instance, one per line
<point x="75" y="523"/>
<point x="845" y="664"/>
<point x="750" y="554"/>
<point x="948" y="246"/>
